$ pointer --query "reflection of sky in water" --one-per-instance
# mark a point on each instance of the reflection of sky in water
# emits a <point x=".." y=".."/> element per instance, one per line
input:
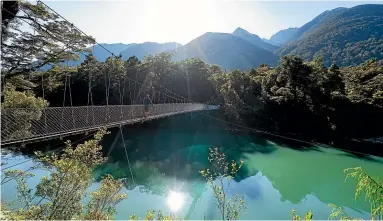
<point x="175" y="200"/>
<point x="274" y="180"/>
<point x="262" y="200"/>
<point x="193" y="199"/>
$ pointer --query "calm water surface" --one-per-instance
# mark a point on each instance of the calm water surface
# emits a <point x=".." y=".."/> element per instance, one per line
<point x="166" y="155"/>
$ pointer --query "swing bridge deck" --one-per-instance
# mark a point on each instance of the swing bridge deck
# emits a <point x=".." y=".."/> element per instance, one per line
<point x="26" y="125"/>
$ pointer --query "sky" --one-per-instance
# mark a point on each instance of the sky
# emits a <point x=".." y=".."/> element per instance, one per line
<point x="137" y="21"/>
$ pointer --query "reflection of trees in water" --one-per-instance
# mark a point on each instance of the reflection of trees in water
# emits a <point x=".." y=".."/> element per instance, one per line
<point x="161" y="156"/>
<point x="159" y="171"/>
<point x="320" y="176"/>
<point x="152" y="176"/>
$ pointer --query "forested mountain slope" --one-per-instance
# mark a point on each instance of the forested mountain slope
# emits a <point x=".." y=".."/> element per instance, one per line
<point x="342" y="36"/>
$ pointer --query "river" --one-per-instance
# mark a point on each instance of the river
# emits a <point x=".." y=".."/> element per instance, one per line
<point x="278" y="176"/>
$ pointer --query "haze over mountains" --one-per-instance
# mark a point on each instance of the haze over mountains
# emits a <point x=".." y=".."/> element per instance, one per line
<point x="254" y="39"/>
<point x="346" y="36"/>
<point x="226" y="50"/>
<point x="128" y="50"/>
<point x="282" y="37"/>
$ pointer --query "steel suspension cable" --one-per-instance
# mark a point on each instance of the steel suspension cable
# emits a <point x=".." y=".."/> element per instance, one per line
<point x="74" y="26"/>
<point x="46" y="31"/>
<point x="62" y="111"/>
<point x="44" y="111"/>
<point x="71" y="103"/>
<point x="127" y="156"/>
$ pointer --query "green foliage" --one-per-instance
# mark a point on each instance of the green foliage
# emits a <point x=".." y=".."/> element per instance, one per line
<point x="19" y="82"/>
<point x="338" y="213"/>
<point x="61" y="193"/>
<point x="154" y="215"/>
<point x="338" y="101"/>
<point x="101" y="206"/>
<point x="372" y="188"/>
<point x="28" y="106"/>
<point x="48" y="39"/>
<point x="308" y="216"/>
<point x="373" y="193"/>
<point x="112" y="79"/>
<point x="219" y="178"/>
<point x="16" y="99"/>
<point x="13" y="174"/>
<point x="364" y="83"/>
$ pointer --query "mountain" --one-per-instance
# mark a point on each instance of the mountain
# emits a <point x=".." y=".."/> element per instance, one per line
<point x="318" y="20"/>
<point x="266" y="40"/>
<point x="101" y="54"/>
<point x="282" y="37"/>
<point x="144" y="49"/>
<point x="226" y="50"/>
<point x="253" y="39"/>
<point x="126" y="50"/>
<point x="345" y="36"/>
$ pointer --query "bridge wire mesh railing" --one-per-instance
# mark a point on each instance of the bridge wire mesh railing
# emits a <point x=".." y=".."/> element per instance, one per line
<point x="24" y="124"/>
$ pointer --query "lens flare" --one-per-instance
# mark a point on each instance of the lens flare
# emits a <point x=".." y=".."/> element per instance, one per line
<point x="175" y="200"/>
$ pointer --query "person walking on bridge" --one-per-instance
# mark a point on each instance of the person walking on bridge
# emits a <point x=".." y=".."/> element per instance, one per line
<point x="146" y="101"/>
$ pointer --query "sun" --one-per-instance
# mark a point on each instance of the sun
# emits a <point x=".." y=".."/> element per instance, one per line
<point x="175" y="200"/>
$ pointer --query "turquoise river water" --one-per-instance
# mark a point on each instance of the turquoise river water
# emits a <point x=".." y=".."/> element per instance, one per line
<point x="278" y="176"/>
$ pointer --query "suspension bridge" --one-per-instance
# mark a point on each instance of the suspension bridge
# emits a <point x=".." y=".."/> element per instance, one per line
<point x="53" y="122"/>
<point x="21" y="125"/>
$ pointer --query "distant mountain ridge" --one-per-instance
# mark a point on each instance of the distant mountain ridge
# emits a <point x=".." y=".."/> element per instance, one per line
<point x="144" y="49"/>
<point x="282" y="37"/>
<point x="226" y="50"/>
<point x="254" y="39"/>
<point x="101" y="54"/>
<point x="127" y="50"/>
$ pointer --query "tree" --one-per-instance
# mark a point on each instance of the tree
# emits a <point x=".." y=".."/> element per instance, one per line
<point x="103" y="200"/>
<point x="25" y="108"/>
<point x="364" y="83"/>
<point x="47" y="39"/>
<point x="60" y="195"/>
<point x="222" y="173"/>
<point x="372" y="188"/>
<point x="9" y="9"/>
